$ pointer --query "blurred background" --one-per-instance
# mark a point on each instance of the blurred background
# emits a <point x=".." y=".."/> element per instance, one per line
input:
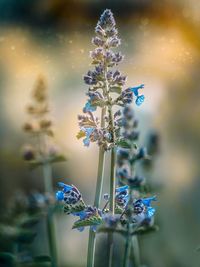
<point x="161" y="44"/>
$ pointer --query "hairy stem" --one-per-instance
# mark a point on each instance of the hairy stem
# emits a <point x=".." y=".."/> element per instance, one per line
<point x="47" y="174"/>
<point x="112" y="204"/>
<point x="110" y="249"/>
<point x="135" y="251"/>
<point x="127" y="249"/>
<point x="98" y="193"/>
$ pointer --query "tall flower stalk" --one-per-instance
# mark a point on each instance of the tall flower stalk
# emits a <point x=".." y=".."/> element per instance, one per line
<point x="41" y="152"/>
<point x="102" y="82"/>
<point x="125" y="211"/>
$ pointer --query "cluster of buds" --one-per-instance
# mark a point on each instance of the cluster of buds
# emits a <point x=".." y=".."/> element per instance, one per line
<point x="104" y="84"/>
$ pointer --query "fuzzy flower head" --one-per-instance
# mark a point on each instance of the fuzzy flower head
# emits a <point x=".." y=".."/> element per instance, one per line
<point x="71" y="197"/>
<point x="142" y="210"/>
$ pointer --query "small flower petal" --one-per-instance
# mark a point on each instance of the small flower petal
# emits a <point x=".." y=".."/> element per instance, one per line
<point x="139" y="100"/>
<point x="59" y="195"/>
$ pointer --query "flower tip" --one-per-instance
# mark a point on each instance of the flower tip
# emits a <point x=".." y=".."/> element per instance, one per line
<point x="61" y="184"/>
<point x="139" y="100"/>
<point x="59" y="195"/>
<point x="65" y="187"/>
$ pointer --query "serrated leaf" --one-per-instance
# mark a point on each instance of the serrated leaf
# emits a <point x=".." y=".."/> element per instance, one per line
<point x="123" y="143"/>
<point x="90" y="221"/>
<point x="116" y="89"/>
<point x="73" y="208"/>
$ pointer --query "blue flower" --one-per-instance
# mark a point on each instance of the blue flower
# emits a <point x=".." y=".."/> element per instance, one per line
<point x="122" y="188"/>
<point x="139" y="98"/>
<point x="136" y="89"/>
<point x="59" y="195"/>
<point x="88" y="107"/>
<point x="88" y="131"/>
<point x="122" y="195"/>
<point x="147" y="201"/>
<point x="66" y="188"/>
<point x="150" y="212"/>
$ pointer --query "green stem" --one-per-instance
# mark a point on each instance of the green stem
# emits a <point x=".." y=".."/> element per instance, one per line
<point x="135" y="251"/>
<point x="112" y="205"/>
<point x="47" y="173"/>
<point x="110" y="249"/>
<point x="98" y="193"/>
<point x="51" y="235"/>
<point x="112" y="182"/>
<point x="127" y="250"/>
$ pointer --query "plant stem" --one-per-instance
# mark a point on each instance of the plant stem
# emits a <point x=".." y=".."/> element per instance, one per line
<point x="112" y="182"/>
<point x="127" y="249"/>
<point x="47" y="173"/>
<point x="98" y="193"/>
<point x="110" y="249"/>
<point x="128" y="237"/>
<point x="135" y="251"/>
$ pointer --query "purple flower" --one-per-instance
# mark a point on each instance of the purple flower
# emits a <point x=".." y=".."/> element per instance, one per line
<point x="107" y="20"/>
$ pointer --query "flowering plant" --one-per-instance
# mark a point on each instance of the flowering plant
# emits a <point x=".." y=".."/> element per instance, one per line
<point x="126" y="211"/>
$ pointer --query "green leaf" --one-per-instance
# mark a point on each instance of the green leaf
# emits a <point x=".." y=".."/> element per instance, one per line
<point x="116" y="89"/>
<point x="145" y="230"/>
<point x="25" y="236"/>
<point x="123" y="143"/>
<point x="90" y="221"/>
<point x="35" y="163"/>
<point x="80" y="134"/>
<point x="7" y="259"/>
<point x="42" y="258"/>
<point x="73" y="208"/>
<point x="58" y="158"/>
<point x="26" y="221"/>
